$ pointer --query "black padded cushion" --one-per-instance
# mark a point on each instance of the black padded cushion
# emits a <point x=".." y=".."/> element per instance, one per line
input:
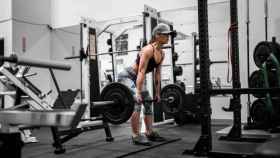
<point x="68" y="99"/>
<point x="269" y="149"/>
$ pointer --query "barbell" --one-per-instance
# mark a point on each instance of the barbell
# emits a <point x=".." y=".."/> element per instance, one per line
<point x="82" y="55"/>
<point x="118" y="101"/>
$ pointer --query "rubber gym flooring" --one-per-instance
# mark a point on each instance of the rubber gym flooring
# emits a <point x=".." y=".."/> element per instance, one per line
<point x="92" y="144"/>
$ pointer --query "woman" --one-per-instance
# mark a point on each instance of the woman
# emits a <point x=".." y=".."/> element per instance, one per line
<point x="148" y="60"/>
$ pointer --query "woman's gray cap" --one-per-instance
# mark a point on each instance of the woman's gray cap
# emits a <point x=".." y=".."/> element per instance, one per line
<point x="161" y="28"/>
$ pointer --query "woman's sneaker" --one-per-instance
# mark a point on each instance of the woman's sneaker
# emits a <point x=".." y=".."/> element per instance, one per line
<point x="155" y="137"/>
<point x="141" y="140"/>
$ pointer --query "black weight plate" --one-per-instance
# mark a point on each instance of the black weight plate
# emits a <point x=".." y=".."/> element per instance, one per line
<point x="261" y="115"/>
<point x="123" y="109"/>
<point x="175" y="91"/>
<point x="178" y="70"/>
<point x="263" y="50"/>
<point x="256" y="80"/>
<point x="259" y="112"/>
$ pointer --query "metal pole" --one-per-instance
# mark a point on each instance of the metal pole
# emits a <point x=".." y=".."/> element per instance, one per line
<point x="172" y="53"/>
<point x="60" y="98"/>
<point x="112" y="57"/>
<point x="81" y="59"/>
<point x="235" y="132"/>
<point x="204" y="144"/>
<point x="248" y="61"/>
<point x="204" y="74"/>
<point x="266" y="18"/>
<point x="194" y="34"/>
<point x="144" y="29"/>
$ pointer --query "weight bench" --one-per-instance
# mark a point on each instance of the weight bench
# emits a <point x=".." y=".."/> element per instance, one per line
<point x="10" y="138"/>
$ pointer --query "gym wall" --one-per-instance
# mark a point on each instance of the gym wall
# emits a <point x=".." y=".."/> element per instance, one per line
<point x="6" y="28"/>
<point x="6" y="24"/>
<point x="65" y="13"/>
<point x="65" y="42"/>
<point x="31" y="36"/>
<point x="24" y="20"/>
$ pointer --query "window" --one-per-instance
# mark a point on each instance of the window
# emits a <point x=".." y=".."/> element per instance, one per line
<point x="122" y="44"/>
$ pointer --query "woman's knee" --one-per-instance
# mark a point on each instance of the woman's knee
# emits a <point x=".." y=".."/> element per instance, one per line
<point x="137" y="108"/>
<point x="148" y="110"/>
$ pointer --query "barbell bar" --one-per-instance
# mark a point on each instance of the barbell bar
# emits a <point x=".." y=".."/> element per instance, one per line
<point x="109" y="103"/>
<point x="111" y="53"/>
<point x="36" y="63"/>
<point x="118" y="102"/>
